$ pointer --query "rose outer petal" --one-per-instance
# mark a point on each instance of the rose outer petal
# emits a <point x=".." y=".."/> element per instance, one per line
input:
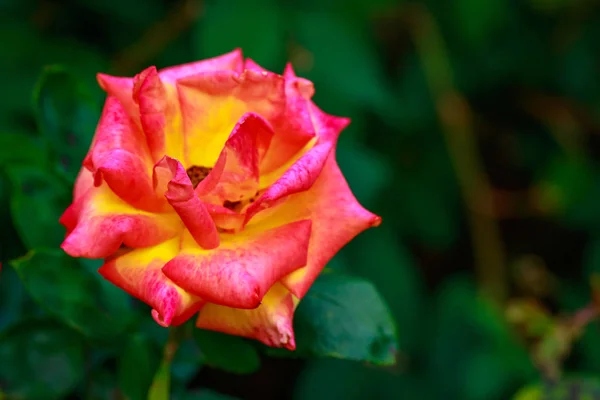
<point x="159" y="114"/>
<point x="271" y="322"/>
<point x="294" y="128"/>
<point x="232" y="61"/>
<point x="337" y="218"/>
<point x="244" y="267"/>
<point x="119" y="156"/>
<point x="83" y="183"/>
<point x="99" y="222"/>
<point x="138" y="272"/>
<point x="153" y="107"/>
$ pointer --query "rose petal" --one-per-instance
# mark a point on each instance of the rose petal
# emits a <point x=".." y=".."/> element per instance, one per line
<point x="304" y="87"/>
<point x="83" y="183"/>
<point x="246" y="145"/>
<point x="121" y="88"/>
<point x="232" y="61"/>
<point x="159" y="114"/>
<point x="226" y="219"/>
<point x="243" y="268"/>
<point x="213" y="102"/>
<point x="171" y="179"/>
<point x="213" y="178"/>
<point x="138" y="272"/>
<point x="337" y="218"/>
<point x="119" y="155"/>
<point x="302" y="173"/>
<point x="271" y="322"/>
<point x="294" y="129"/>
<point x="100" y="222"/>
<point x="251" y="64"/>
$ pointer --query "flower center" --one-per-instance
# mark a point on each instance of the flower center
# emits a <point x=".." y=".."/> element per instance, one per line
<point x="240" y="204"/>
<point x="197" y="174"/>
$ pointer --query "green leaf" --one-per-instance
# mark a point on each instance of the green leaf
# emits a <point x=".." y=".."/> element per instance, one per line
<point x="102" y="383"/>
<point x="396" y="277"/>
<point x="186" y="361"/>
<point x="477" y="20"/>
<point x="11" y="245"/>
<point x="206" y="394"/>
<point x="570" y="388"/>
<point x="230" y="353"/>
<point x="60" y="285"/>
<point x="67" y="117"/>
<point x="11" y="297"/>
<point x="37" y="201"/>
<point x="342" y="379"/>
<point x="345" y="317"/>
<point x="137" y="366"/>
<point x="40" y="360"/>
<point x="21" y="148"/>
<point x="258" y="27"/>
<point x="115" y="299"/>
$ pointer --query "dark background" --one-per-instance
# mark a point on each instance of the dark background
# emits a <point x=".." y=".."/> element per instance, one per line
<point x="475" y="135"/>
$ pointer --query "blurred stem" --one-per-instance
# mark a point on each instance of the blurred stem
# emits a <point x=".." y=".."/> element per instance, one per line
<point x="157" y="37"/>
<point x="161" y="384"/>
<point x="456" y="123"/>
<point x="561" y="122"/>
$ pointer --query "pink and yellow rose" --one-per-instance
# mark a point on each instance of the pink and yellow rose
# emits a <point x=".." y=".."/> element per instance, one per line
<point x="212" y="188"/>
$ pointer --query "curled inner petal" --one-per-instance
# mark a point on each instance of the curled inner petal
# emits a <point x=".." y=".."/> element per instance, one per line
<point x="180" y="194"/>
<point x="240" y="177"/>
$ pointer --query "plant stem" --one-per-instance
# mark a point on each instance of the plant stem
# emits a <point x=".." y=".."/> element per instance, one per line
<point x="161" y="384"/>
<point x="456" y="123"/>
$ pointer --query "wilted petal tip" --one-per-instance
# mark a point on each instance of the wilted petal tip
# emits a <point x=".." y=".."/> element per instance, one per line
<point x="289" y="72"/>
<point x="164" y="321"/>
<point x="375" y="221"/>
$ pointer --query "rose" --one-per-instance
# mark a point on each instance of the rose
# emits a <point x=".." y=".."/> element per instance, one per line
<point x="212" y="188"/>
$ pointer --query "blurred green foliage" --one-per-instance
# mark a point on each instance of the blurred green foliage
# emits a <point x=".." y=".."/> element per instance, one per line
<point x="474" y="135"/>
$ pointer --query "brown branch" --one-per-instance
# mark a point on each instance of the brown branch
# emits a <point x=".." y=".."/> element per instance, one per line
<point x="456" y="122"/>
<point x="157" y="37"/>
<point x="561" y="119"/>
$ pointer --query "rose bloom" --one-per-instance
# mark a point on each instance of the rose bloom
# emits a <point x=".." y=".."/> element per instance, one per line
<point x="212" y="188"/>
